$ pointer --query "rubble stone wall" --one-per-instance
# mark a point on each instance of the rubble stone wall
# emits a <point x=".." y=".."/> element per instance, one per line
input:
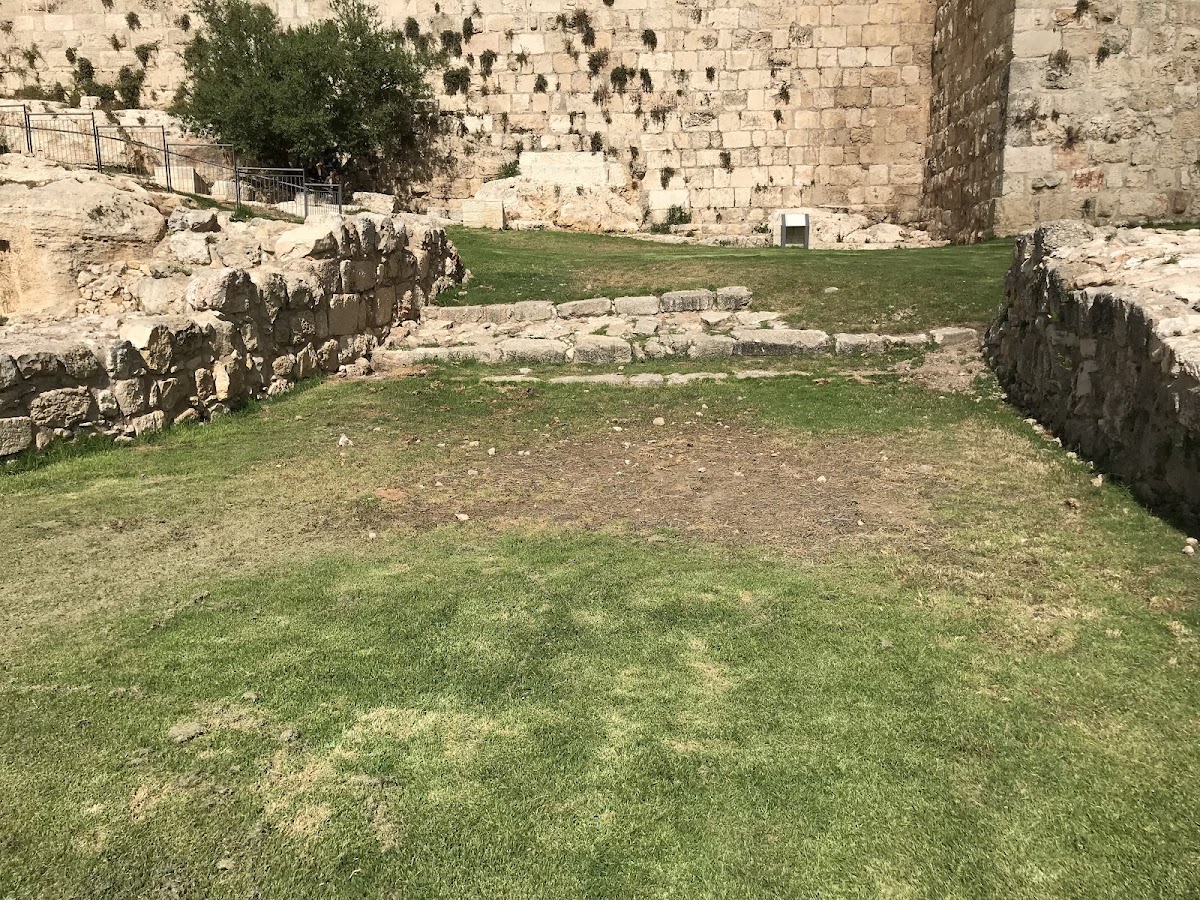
<point x="1100" y="340"/>
<point x="320" y="298"/>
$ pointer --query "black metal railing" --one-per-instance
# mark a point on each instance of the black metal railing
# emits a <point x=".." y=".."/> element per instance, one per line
<point x="143" y="152"/>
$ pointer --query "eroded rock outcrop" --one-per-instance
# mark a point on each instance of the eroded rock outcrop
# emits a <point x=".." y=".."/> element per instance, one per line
<point x="1100" y="340"/>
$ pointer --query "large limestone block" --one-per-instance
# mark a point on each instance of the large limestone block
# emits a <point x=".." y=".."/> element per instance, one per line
<point x="599" y="348"/>
<point x="636" y="306"/>
<point x="686" y="301"/>
<point x="582" y="309"/>
<point x="533" y="350"/>
<point x="61" y="408"/>
<point x="347" y="314"/>
<point x="16" y="434"/>
<point x="483" y="214"/>
<point x="314" y="241"/>
<point x="226" y="291"/>
<point x="533" y="311"/>
<point x="779" y="341"/>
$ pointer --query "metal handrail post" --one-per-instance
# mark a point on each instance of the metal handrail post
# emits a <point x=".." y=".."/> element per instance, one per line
<point x="167" y="158"/>
<point x="96" y="140"/>
<point x="304" y="188"/>
<point x="339" y="198"/>
<point x="28" y="129"/>
<point x="237" y="184"/>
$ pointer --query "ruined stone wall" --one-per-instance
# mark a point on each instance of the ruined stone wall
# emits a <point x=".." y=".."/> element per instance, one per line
<point x="1103" y="118"/>
<point x="742" y="108"/>
<point x="972" y="48"/>
<point x="1100" y="340"/>
<point x="319" y="298"/>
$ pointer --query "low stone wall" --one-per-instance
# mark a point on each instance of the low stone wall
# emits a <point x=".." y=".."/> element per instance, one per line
<point x="203" y="338"/>
<point x="697" y="324"/>
<point x="1100" y="340"/>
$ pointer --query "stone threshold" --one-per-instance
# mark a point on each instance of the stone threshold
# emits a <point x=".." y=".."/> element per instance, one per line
<point x="696" y="324"/>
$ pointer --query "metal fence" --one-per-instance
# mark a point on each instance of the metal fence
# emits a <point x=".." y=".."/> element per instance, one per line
<point x="213" y="170"/>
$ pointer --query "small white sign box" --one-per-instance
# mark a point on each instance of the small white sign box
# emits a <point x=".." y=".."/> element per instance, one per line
<point x="794" y="230"/>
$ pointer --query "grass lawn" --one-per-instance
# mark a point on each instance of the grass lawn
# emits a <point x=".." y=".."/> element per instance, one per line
<point x="833" y="635"/>
<point x="888" y="291"/>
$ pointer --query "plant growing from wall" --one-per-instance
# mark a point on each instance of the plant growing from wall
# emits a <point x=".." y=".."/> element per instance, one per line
<point x="1072" y="137"/>
<point x="649" y="39"/>
<point x="132" y="21"/>
<point x="468" y="30"/>
<point x="184" y="22"/>
<point x="540" y="84"/>
<point x="451" y="43"/>
<point x="647" y="81"/>
<point x="620" y="77"/>
<point x="726" y="160"/>
<point x="597" y="61"/>
<point x="70" y="54"/>
<point x="115" y="42"/>
<point x="412" y="29"/>
<point x="457" y="80"/>
<point x="522" y="58"/>
<point x="143" y="52"/>
<point x="665" y="176"/>
<point x="710" y="73"/>
<point x="511" y="169"/>
<point x="784" y="95"/>
<point x="597" y="142"/>
<point x="487" y="59"/>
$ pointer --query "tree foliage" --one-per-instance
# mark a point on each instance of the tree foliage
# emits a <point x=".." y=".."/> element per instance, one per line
<point x="344" y="94"/>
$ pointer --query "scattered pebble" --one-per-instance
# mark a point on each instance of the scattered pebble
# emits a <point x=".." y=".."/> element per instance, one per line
<point x="1191" y="542"/>
<point x="288" y="735"/>
<point x="473" y="444"/>
<point x="371" y="535"/>
<point x="831" y="290"/>
<point x="225" y="865"/>
<point x="821" y="479"/>
<point x="618" y="428"/>
<point x="462" y="517"/>
<point x="701" y="470"/>
<point x="885" y="644"/>
<point x="1189" y="550"/>
<point x="1098" y="481"/>
<point x="250" y="696"/>
<point x="344" y="441"/>
<point x="472" y="471"/>
<point x="659" y="420"/>
<point x="491" y="451"/>
<point x="1071" y="503"/>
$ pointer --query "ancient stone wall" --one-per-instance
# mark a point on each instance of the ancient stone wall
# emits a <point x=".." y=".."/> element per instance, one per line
<point x="1100" y="340"/>
<point x="972" y="48"/>
<point x="1103" y="119"/>
<point x="968" y="115"/>
<point x="729" y="110"/>
<point x="194" y="346"/>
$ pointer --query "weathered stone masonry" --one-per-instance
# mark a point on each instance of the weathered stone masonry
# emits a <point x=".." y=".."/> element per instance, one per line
<point x="324" y="297"/>
<point x="1101" y="341"/>
<point x="972" y="116"/>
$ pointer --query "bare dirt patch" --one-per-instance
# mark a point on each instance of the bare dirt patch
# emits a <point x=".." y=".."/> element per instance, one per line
<point x="950" y="369"/>
<point x="740" y="486"/>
